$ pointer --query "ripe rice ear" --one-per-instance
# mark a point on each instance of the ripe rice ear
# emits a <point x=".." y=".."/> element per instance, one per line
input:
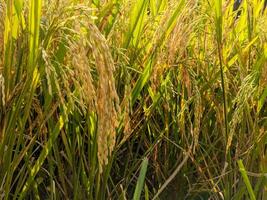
<point x="107" y="103"/>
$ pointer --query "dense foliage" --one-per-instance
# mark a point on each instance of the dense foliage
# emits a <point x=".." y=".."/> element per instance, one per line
<point x="133" y="99"/>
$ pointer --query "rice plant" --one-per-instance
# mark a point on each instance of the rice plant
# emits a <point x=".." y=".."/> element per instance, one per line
<point x="133" y="99"/>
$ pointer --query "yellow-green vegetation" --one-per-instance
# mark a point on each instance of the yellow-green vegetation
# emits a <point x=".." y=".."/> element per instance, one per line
<point x="133" y="99"/>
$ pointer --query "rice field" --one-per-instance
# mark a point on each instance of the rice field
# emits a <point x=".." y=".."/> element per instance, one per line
<point x="133" y="99"/>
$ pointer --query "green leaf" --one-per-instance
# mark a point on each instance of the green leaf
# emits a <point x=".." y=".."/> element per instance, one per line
<point x="143" y="79"/>
<point x="46" y="150"/>
<point x="246" y="180"/>
<point x="141" y="179"/>
<point x="262" y="100"/>
<point x="136" y="22"/>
